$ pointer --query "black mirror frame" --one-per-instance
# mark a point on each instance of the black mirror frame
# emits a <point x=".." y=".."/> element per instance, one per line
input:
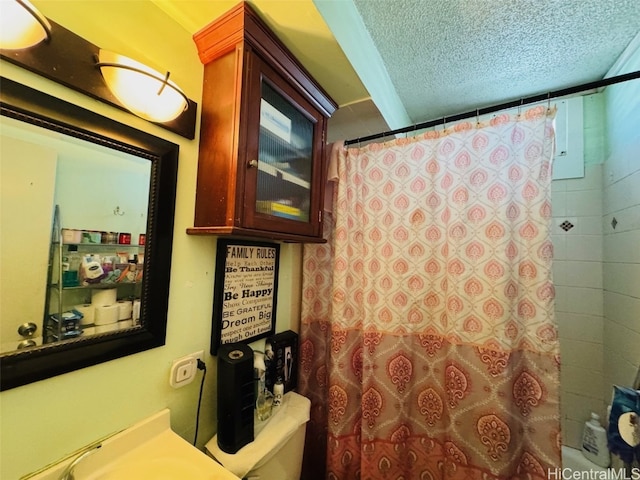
<point x="33" y="364"/>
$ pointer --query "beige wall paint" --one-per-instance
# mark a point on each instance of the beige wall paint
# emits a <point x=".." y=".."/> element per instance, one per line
<point x="46" y="420"/>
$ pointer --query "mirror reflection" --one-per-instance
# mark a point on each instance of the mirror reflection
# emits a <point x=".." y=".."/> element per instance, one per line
<point x="73" y="237"/>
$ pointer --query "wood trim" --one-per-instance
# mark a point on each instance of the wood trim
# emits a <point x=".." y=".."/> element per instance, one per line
<point x="220" y="36"/>
<point x="242" y="24"/>
<point x="251" y="233"/>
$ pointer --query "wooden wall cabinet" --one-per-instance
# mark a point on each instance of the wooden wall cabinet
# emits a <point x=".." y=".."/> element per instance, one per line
<point x="262" y="139"/>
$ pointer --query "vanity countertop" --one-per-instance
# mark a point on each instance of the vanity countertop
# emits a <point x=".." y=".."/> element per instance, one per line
<point x="146" y="450"/>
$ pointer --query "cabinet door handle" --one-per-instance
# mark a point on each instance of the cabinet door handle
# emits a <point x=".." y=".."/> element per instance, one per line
<point x="253" y="164"/>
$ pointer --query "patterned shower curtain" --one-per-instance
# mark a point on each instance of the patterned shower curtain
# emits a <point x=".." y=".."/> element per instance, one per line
<point x="428" y="342"/>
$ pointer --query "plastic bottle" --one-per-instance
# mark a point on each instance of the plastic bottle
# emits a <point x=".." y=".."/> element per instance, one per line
<point x="594" y="442"/>
<point x="278" y="392"/>
<point x="91" y="268"/>
<point x="131" y="270"/>
<point x="259" y="369"/>
<point x="74" y="259"/>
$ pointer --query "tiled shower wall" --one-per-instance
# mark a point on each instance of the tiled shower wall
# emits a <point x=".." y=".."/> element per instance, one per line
<point x="577" y="271"/>
<point x="621" y="175"/>
<point x="597" y="258"/>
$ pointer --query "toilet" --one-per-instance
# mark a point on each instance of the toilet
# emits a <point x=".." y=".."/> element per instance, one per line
<point x="278" y="445"/>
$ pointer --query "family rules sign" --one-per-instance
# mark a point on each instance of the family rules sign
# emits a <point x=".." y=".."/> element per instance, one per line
<point x="245" y="291"/>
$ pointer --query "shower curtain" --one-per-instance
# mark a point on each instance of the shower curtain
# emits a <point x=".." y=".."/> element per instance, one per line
<point x="428" y="342"/>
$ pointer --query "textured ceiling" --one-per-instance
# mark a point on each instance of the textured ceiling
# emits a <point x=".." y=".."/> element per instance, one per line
<point x="450" y="56"/>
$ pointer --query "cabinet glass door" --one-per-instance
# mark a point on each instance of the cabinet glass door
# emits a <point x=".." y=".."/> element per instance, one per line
<point x="285" y="151"/>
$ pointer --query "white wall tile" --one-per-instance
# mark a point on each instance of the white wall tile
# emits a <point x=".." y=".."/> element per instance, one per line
<point x="618" y="371"/>
<point x="622" y="309"/>
<point x="584" y="203"/>
<point x="572" y="432"/>
<point x="622" y="115"/>
<point x="576" y="410"/>
<point x="556" y="187"/>
<point x="557" y="229"/>
<point x="624" y="341"/>
<point x="584" y="247"/>
<point x="576" y="326"/>
<point x="622" y="194"/>
<point x="594" y="133"/>
<point x="581" y="381"/>
<point x="587" y="301"/>
<point x="592" y="180"/>
<point x="589" y="225"/>
<point x="607" y="190"/>
<point x="580" y="354"/>
<point x="623" y="278"/>
<point x="559" y="246"/>
<point x="562" y="299"/>
<point x="583" y="274"/>
<point x="559" y="270"/>
<point x="558" y="202"/>
<point x="622" y="163"/>
<point x="579" y="408"/>
<point x="628" y="219"/>
<point x="578" y="279"/>
<point x="622" y="246"/>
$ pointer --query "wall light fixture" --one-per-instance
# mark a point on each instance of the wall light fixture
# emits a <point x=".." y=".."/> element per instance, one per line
<point x="141" y="89"/>
<point x="22" y="25"/>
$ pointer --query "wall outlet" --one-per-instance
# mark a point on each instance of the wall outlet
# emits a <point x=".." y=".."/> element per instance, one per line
<point x="183" y="370"/>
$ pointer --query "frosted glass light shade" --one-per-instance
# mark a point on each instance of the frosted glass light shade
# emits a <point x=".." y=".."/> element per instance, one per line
<point x="141" y="89"/>
<point x="21" y="25"/>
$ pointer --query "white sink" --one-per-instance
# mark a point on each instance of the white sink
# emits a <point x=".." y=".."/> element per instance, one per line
<point x="149" y="450"/>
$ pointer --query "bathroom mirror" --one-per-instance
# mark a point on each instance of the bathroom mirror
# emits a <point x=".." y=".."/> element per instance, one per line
<point x="119" y="177"/>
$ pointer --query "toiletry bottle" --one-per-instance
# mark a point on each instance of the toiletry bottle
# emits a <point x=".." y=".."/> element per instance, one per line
<point x="132" y="268"/>
<point x="65" y="271"/>
<point x="259" y="369"/>
<point x="278" y="392"/>
<point x="72" y="268"/>
<point x="594" y="442"/>
<point x="91" y="269"/>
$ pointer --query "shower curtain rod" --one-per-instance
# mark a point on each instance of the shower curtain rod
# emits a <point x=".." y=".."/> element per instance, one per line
<point x="502" y="106"/>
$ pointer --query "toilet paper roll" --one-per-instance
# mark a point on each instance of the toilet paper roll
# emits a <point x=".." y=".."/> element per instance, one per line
<point x="125" y="309"/>
<point x="88" y="311"/>
<point x="135" y="314"/>
<point x="104" y="297"/>
<point x="125" y="324"/>
<point x="106" y="328"/>
<point x="106" y="314"/>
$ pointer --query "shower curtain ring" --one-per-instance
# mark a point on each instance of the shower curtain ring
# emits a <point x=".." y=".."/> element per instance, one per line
<point x="548" y="102"/>
<point x="520" y="106"/>
<point x="477" y="117"/>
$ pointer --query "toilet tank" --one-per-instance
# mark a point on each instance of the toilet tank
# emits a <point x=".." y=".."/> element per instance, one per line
<point x="278" y="446"/>
<point x="285" y="464"/>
